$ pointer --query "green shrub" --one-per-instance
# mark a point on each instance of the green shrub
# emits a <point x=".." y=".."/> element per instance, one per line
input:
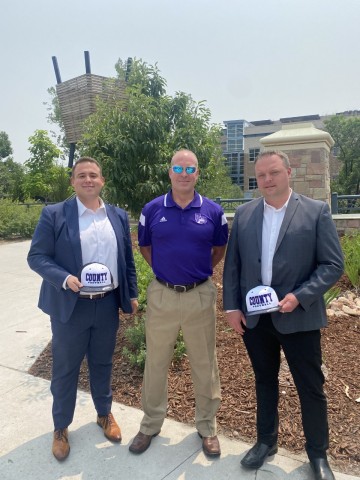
<point x="144" y="275"/>
<point x="180" y="348"/>
<point x="18" y="220"/>
<point x="351" y="249"/>
<point x="135" y="336"/>
<point x="331" y="294"/>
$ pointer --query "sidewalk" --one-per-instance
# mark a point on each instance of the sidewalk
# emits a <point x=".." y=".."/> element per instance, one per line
<point x="26" y="423"/>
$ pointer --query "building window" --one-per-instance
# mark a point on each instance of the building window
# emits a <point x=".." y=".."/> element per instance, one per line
<point x="235" y="135"/>
<point x="253" y="153"/>
<point x="252" y="183"/>
<point x="235" y="164"/>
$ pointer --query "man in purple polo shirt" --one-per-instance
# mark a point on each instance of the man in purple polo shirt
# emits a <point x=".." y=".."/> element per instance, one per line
<point x="182" y="236"/>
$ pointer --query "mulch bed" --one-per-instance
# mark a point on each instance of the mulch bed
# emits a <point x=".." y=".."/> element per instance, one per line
<point x="236" y="416"/>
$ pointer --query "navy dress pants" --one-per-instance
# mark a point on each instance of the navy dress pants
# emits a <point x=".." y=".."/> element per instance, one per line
<point x="303" y="354"/>
<point x="91" y="332"/>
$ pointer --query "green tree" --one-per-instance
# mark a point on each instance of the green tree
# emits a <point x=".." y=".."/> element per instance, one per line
<point x="12" y="180"/>
<point x="45" y="178"/>
<point x="134" y="140"/>
<point x="218" y="182"/>
<point x="54" y="117"/>
<point x="60" y="183"/>
<point x="346" y="133"/>
<point x="5" y="146"/>
<point x="11" y="173"/>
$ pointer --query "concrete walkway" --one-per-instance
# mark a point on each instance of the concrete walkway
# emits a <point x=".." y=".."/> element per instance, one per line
<point x="26" y="423"/>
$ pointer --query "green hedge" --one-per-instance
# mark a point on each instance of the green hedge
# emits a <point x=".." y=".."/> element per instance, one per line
<point x="351" y="247"/>
<point x="18" y="220"/>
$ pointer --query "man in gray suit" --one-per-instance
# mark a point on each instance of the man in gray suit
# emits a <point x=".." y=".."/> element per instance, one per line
<point x="283" y="255"/>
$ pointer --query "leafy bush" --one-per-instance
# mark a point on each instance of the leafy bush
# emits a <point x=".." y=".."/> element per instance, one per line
<point x="18" y="220"/>
<point x="180" y="348"/>
<point x="144" y="275"/>
<point x="135" y="335"/>
<point x="351" y="248"/>
<point x="331" y="294"/>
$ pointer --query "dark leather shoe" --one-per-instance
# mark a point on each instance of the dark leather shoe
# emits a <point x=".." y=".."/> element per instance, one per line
<point x="60" y="446"/>
<point x="141" y="442"/>
<point x="321" y="469"/>
<point x="210" y="445"/>
<point x="256" y="456"/>
<point x="111" y="428"/>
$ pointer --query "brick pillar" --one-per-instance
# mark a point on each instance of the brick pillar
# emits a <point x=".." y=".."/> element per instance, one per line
<point x="308" y="149"/>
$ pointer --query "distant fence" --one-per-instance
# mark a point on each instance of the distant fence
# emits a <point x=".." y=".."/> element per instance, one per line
<point x="345" y="203"/>
<point x="340" y="204"/>
<point x="231" y="204"/>
<point x="35" y="204"/>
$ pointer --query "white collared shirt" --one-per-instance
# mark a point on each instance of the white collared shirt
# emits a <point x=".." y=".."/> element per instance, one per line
<point x="272" y="220"/>
<point x="97" y="237"/>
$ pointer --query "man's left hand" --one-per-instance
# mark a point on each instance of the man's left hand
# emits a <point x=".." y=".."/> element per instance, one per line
<point x="135" y="305"/>
<point x="288" y="303"/>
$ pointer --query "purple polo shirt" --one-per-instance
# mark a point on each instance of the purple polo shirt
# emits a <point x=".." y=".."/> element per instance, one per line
<point x="181" y="240"/>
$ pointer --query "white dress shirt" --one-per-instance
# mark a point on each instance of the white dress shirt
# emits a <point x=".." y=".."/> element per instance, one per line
<point x="272" y="220"/>
<point x="98" y="240"/>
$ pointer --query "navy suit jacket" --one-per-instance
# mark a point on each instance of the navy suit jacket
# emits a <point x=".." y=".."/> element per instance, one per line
<point x="307" y="261"/>
<point x="55" y="253"/>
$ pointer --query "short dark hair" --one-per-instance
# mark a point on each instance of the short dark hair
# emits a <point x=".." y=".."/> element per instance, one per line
<point x="84" y="160"/>
<point x="279" y="153"/>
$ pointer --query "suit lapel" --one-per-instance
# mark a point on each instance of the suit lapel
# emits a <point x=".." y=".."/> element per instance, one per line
<point x="289" y="213"/>
<point x="72" y="221"/>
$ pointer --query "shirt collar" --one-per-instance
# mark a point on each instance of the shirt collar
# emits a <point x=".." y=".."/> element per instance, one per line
<point x="266" y="205"/>
<point x="82" y="209"/>
<point x="196" y="202"/>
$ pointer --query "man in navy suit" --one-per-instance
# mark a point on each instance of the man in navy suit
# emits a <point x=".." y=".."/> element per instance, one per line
<point x="70" y="235"/>
<point x="287" y="242"/>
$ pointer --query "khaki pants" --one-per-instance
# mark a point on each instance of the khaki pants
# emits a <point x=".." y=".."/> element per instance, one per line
<point x="195" y="313"/>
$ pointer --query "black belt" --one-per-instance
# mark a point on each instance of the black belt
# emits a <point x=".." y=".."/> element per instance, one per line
<point x="181" y="288"/>
<point x="95" y="296"/>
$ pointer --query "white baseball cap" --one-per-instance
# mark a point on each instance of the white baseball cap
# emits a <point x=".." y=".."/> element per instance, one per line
<point x="96" y="278"/>
<point x="261" y="299"/>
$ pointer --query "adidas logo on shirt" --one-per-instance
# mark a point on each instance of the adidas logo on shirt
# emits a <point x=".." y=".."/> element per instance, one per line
<point x="163" y="219"/>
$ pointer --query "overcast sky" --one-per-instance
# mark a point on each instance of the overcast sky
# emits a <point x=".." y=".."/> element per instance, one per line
<point x="253" y="59"/>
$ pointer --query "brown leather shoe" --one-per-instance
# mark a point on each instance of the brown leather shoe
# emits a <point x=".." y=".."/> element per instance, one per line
<point x="60" y="446"/>
<point x="141" y="442"/>
<point x="211" y="446"/>
<point x="111" y="428"/>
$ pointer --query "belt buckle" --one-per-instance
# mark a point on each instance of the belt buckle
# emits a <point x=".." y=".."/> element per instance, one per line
<point x="180" y="288"/>
<point x="94" y="296"/>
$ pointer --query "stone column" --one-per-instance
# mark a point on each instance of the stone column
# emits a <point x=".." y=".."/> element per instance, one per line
<point x="308" y="149"/>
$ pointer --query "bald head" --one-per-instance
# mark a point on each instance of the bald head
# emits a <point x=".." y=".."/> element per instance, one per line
<point x="184" y="155"/>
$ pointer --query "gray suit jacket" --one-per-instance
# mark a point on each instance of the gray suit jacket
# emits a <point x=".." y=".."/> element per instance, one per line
<point x="307" y="261"/>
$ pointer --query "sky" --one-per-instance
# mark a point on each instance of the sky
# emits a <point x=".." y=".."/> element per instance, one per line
<point x="252" y="60"/>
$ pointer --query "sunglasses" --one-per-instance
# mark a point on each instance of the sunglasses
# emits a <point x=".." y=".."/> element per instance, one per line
<point x="188" y="170"/>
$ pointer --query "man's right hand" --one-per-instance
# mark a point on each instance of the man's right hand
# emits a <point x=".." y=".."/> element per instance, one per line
<point x="74" y="283"/>
<point x="236" y="320"/>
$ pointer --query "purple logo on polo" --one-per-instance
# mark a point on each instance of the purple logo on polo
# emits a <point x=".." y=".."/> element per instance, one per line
<point x="200" y="218"/>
